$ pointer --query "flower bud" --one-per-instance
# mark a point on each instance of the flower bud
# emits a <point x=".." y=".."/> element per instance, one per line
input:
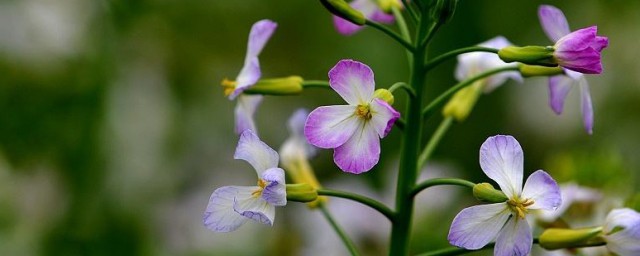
<point x="341" y="9"/>
<point x="558" y="238"/>
<point x="444" y="10"/>
<point x="486" y="193"/>
<point x="529" y="70"/>
<point x="387" y="5"/>
<point x="301" y="192"/>
<point x="385" y="95"/>
<point x="461" y="104"/>
<point x="532" y="55"/>
<point x="277" y="86"/>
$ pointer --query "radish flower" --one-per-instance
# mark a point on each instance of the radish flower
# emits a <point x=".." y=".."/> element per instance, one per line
<point x="622" y="231"/>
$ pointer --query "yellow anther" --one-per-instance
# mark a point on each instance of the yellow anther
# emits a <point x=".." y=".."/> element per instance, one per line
<point x="363" y="111"/>
<point x="229" y="86"/>
<point x="261" y="185"/>
<point x="519" y="207"/>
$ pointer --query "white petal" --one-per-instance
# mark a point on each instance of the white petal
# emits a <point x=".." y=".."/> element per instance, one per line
<point x="476" y="226"/>
<point x="501" y="158"/>
<point x="353" y="80"/>
<point x="361" y="152"/>
<point x="383" y="116"/>
<point x="625" y="241"/>
<point x="255" y="208"/>
<point x="331" y="126"/>
<point x="275" y="192"/>
<point x="543" y="190"/>
<point x="257" y="153"/>
<point x="515" y="239"/>
<point x="219" y="215"/>
<point x="244" y="111"/>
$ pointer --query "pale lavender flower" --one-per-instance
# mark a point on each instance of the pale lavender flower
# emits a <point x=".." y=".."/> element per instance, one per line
<point x="622" y="231"/>
<point x="501" y="158"/>
<point x="353" y="130"/>
<point x="231" y="206"/>
<point x="370" y="10"/>
<point x="474" y="63"/>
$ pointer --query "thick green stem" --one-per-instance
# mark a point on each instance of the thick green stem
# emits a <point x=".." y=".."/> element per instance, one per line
<point x="316" y="83"/>
<point x="378" y="206"/>
<point x="434" y="141"/>
<point x="460" y="251"/>
<point x="343" y="236"/>
<point x="441" y="181"/>
<point x="437" y="60"/>
<point x="391" y="34"/>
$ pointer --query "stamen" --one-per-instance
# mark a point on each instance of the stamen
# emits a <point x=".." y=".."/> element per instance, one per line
<point x="363" y="111"/>
<point x="519" y="208"/>
<point x="261" y="184"/>
<point x="228" y="86"/>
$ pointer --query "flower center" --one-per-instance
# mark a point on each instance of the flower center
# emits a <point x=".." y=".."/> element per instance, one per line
<point x="261" y="185"/>
<point x="228" y="86"/>
<point x="519" y="207"/>
<point x="363" y="111"/>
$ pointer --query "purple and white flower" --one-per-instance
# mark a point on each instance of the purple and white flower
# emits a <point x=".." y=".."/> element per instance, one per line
<point x="249" y="75"/>
<point x="353" y="130"/>
<point x="622" y="231"/>
<point x="501" y="158"/>
<point x="474" y="63"/>
<point x="370" y="10"/>
<point x="231" y="206"/>
<point x="579" y="53"/>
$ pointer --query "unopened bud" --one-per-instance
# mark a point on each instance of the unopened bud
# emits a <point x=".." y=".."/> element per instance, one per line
<point x="532" y="55"/>
<point x="558" y="238"/>
<point x="277" y="86"/>
<point x="387" y="5"/>
<point x="444" y="10"/>
<point x="385" y="95"/>
<point x="301" y="192"/>
<point x="341" y="9"/>
<point x="486" y="193"/>
<point x="530" y="70"/>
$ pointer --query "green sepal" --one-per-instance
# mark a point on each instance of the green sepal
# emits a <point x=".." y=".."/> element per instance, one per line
<point x="558" y="238"/>
<point x="532" y="55"/>
<point x="486" y="193"/>
<point x="342" y="9"/>
<point x="301" y="192"/>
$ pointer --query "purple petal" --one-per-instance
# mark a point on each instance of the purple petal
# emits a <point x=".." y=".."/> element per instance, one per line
<point x="331" y="126"/>
<point x="382" y="17"/>
<point x="476" y="226"/>
<point x="249" y="75"/>
<point x="345" y="27"/>
<point x="515" y="239"/>
<point x="600" y="43"/>
<point x="383" y="116"/>
<point x="625" y="241"/>
<point x="587" y="61"/>
<point x="577" y="40"/>
<point x="275" y="192"/>
<point x="254" y="208"/>
<point x="501" y="158"/>
<point x="219" y="215"/>
<point x="543" y="190"/>
<point x="553" y="22"/>
<point x="353" y="80"/>
<point x="361" y="152"/>
<point x="260" y="33"/>
<point x="559" y="87"/>
<point x="297" y="143"/>
<point x="586" y="106"/>
<point x="244" y="111"/>
<point x="257" y="153"/>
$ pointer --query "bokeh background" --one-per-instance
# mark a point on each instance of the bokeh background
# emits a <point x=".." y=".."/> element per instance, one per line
<point x="114" y="129"/>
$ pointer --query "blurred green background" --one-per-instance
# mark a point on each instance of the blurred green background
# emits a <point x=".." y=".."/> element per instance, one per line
<point x="114" y="129"/>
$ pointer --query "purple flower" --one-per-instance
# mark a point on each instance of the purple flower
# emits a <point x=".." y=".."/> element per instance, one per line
<point x="352" y="130"/>
<point x="231" y="206"/>
<point x="501" y="158"/>
<point x="370" y="10"/>
<point x="250" y="73"/>
<point x="622" y="231"/>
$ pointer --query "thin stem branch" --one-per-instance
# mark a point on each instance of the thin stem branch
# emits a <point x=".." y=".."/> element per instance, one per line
<point x="460" y="251"/>
<point x="378" y="206"/>
<point x="412" y="13"/>
<point x="343" y="236"/>
<point x="316" y="84"/>
<point x="404" y="86"/>
<point x="432" y="31"/>
<point x="391" y="33"/>
<point x="404" y="30"/>
<point x="441" y="181"/>
<point x="434" y="141"/>
<point x="427" y="111"/>
<point x="400" y="123"/>
<point x="437" y="60"/>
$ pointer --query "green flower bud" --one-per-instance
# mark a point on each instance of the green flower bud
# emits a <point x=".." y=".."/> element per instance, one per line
<point x="385" y="95"/>
<point x="461" y="104"/>
<point x="444" y="10"/>
<point x="558" y="238"/>
<point x="486" y="193"/>
<point x="529" y="70"/>
<point x="277" y="86"/>
<point x="532" y="55"/>
<point x="301" y="192"/>
<point x="341" y="9"/>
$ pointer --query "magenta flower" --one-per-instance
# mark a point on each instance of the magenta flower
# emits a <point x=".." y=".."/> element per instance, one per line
<point x="370" y="10"/>
<point x="231" y="206"/>
<point x="622" y="231"/>
<point x="501" y="158"/>
<point x="353" y="130"/>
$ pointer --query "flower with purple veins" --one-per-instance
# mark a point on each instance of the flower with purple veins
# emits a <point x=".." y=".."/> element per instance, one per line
<point x="231" y="206"/>
<point x="370" y="10"/>
<point x="501" y="158"/>
<point x="353" y="130"/>
<point x="622" y="231"/>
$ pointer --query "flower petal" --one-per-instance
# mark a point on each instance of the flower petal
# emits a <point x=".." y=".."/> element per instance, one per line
<point x="345" y="27"/>
<point x="331" y="126"/>
<point x="501" y="158"/>
<point x="472" y="64"/>
<point x="475" y="226"/>
<point x="275" y="193"/>
<point x="553" y="22"/>
<point x="587" y="61"/>
<point x="260" y="33"/>
<point x="257" y="153"/>
<point x="382" y="117"/>
<point x="586" y="106"/>
<point x="543" y="190"/>
<point x="297" y="143"/>
<point x="353" y="80"/>
<point x="219" y="215"/>
<point x="249" y="75"/>
<point x="600" y="43"/>
<point x="577" y="40"/>
<point x="244" y="111"/>
<point x="361" y="152"/>
<point x="559" y="87"/>
<point x="254" y="208"/>
<point x="515" y="239"/>
<point x="625" y="241"/>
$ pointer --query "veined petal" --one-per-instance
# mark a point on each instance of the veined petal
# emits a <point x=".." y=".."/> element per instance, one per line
<point x="625" y="218"/>
<point x="275" y="193"/>
<point x="260" y="33"/>
<point x="501" y="158"/>
<point x="515" y="239"/>
<point x="249" y="75"/>
<point x="353" y="80"/>
<point x="587" y="61"/>
<point x="559" y="87"/>
<point x="586" y="106"/>
<point x="244" y="111"/>
<point x="543" y="190"/>
<point x="361" y="152"/>
<point x="553" y="22"/>
<point x="476" y="226"/>
<point x="331" y="126"/>
<point x="625" y="241"/>
<point x="600" y="43"/>
<point x="219" y="215"/>
<point x="254" y="208"/>
<point x="257" y="153"/>
<point x="577" y="40"/>
<point x="382" y="117"/>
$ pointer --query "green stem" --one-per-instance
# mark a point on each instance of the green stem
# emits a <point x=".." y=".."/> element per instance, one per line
<point x="432" y="31"/>
<point x="345" y="239"/>
<point x="459" y="251"/>
<point x="434" y="141"/>
<point x="441" y="181"/>
<point x="400" y="123"/>
<point x="316" y="84"/>
<point x="412" y="13"/>
<point x="404" y="30"/>
<point x="437" y="60"/>
<point x="378" y="206"/>
<point x="444" y="96"/>
<point x="404" y="86"/>
<point x="390" y="33"/>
